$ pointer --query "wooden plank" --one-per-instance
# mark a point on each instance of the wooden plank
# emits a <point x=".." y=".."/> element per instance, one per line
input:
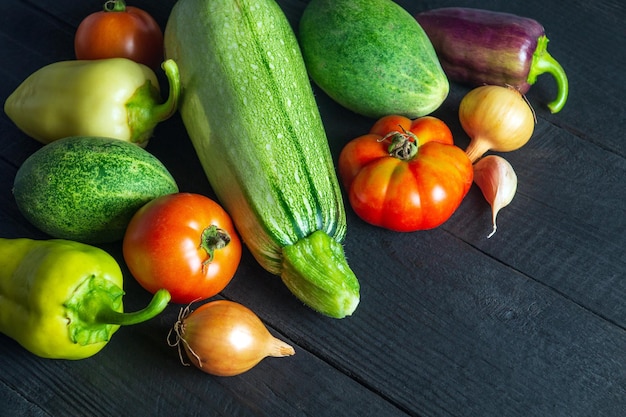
<point x="527" y="323"/>
<point x="138" y="374"/>
<point x="566" y="226"/>
<point x="446" y="332"/>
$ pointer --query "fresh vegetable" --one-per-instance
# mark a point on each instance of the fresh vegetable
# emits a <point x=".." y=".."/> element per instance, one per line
<point x="115" y="98"/>
<point x="61" y="299"/>
<point x="185" y="243"/>
<point x="372" y="57"/>
<point x="119" y="31"/>
<point x="497" y="180"/>
<point x="88" y="188"/>
<point x="264" y="148"/>
<point x="224" y="338"/>
<point x="495" y="118"/>
<point x="425" y="129"/>
<point x="480" y="47"/>
<point x="405" y="175"/>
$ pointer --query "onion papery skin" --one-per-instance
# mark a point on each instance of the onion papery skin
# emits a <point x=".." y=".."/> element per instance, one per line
<point x="495" y="118"/>
<point x="225" y="338"/>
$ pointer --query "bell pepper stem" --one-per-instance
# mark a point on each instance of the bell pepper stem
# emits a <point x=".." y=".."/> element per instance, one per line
<point x="168" y="108"/>
<point x="95" y="311"/>
<point x="144" y="111"/>
<point x="543" y="62"/>
<point x="158" y="303"/>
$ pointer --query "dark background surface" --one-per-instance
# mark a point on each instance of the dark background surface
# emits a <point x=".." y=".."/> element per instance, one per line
<point x="528" y="323"/>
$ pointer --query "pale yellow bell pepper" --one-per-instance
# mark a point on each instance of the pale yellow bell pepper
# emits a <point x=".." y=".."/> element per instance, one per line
<point x="114" y="97"/>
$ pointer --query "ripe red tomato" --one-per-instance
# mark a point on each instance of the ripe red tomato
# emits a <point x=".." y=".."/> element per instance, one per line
<point x="427" y="128"/>
<point x="185" y="243"/>
<point x="120" y="31"/>
<point x="405" y="175"/>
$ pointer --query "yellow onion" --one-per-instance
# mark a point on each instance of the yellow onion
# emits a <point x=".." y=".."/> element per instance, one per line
<point x="497" y="180"/>
<point x="495" y="118"/>
<point x="224" y="338"/>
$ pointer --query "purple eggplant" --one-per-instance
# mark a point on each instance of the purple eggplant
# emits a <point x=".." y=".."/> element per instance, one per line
<point x="479" y="47"/>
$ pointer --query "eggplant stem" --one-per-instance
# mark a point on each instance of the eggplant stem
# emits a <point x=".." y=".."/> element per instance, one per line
<point x="544" y="62"/>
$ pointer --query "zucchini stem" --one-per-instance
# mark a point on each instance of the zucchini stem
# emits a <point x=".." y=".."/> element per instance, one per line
<point x="316" y="271"/>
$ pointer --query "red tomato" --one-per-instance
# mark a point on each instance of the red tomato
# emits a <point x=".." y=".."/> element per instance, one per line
<point x="405" y="175"/>
<point x="185" y="243"/>
<point x="120" y="32"/>
<point x="427" y="128"/>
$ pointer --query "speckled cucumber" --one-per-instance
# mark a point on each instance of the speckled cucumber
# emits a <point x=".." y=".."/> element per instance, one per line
<point x="87" y="188"/>
<point x="372" y="57"/>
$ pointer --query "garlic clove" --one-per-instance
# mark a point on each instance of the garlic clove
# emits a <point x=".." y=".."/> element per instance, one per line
<point x="497" y="180"/>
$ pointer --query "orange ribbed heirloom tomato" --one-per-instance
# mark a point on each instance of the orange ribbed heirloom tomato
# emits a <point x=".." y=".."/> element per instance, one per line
<point x="405" y="175"/>
<point x="185" y="243"/>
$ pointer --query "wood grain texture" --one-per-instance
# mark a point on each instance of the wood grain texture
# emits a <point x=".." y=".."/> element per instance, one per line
<point x="530" y="322"/>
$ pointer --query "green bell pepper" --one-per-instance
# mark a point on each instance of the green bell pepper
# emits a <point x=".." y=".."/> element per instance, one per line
<point x="115" y="97"/>
<point x="63" y="299"/>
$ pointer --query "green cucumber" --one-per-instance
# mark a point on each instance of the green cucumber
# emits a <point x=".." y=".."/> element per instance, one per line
<point x="248" y="107"/>
<point x="88" y="188"/>
<point x="372" y="57"/>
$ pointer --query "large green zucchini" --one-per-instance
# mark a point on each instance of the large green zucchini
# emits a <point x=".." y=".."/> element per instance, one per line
<point x="248" y="107"/>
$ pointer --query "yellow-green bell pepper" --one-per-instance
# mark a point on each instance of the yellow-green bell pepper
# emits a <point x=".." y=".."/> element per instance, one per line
<point x="63" y="299"/>
<point x="114" y="97"/>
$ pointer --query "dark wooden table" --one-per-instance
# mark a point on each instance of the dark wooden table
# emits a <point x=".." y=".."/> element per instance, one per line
<point x="528" y="323"/>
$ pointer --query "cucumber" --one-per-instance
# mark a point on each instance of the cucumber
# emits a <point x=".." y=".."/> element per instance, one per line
<point x="249" y="110"/>
<point x="88" y="188"/>
<point x="372" y="57"/>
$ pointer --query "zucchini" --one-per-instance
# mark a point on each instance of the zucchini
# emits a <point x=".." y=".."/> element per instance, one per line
<point x="248" y="107"/>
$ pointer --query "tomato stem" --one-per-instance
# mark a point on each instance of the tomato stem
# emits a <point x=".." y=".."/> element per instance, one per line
<point x="403" y="144"/>
<point x="213" y="238"/>
<point x="115" y="6"/>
